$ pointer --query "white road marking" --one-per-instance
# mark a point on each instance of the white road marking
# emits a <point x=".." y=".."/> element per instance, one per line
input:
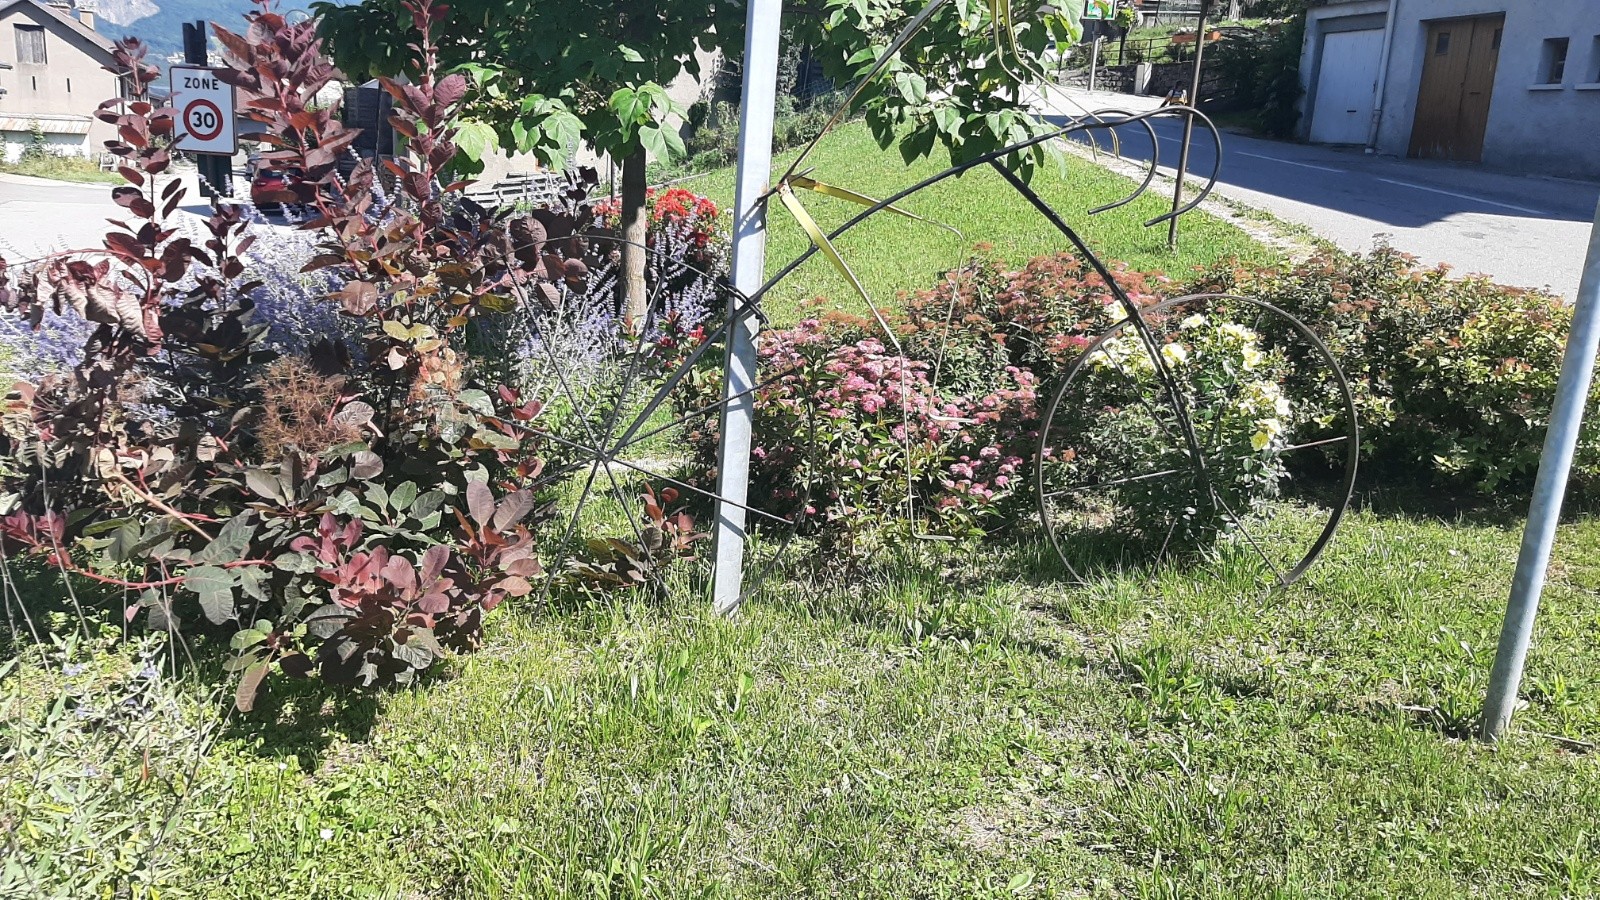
<point x="1291" y="163"/>
<point x="1418" y="187"/>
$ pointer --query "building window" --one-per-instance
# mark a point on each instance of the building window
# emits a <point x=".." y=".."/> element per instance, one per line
<point x="1553" y="63"/>
<point x="1594" y="61"/>
<point x="69" y="85"/>
<point x="1441" y="44"/>
<point x="30" y="45"/>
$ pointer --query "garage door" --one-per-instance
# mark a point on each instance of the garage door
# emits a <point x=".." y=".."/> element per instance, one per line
<point x="1342" y="111"/>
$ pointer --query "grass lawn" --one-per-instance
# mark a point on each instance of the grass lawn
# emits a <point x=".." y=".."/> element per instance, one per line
<point x="891" y="254"/>
<point x="959" y="727"/>
<point x="62" y="168"/>
<point x="952" y="721"/>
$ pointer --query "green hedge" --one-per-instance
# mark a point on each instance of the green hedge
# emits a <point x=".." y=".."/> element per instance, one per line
<point x="1454" y="377"/>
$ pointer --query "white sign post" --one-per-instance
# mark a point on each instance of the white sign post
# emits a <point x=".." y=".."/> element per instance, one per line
<point x="205" y="109"/>
<point x="757" y="102"/>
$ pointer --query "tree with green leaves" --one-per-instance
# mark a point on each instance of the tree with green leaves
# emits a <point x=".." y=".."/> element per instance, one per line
<point x="961" y="80"/>
<point x="547" y="73"/>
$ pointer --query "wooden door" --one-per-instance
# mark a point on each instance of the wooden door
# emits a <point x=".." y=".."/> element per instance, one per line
<point x="1460" y="59"/>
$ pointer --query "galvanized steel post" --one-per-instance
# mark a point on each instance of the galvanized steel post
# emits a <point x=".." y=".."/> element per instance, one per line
<point x="757" y="102"/>
<point x="1188" y="123"/>
<point x="1560" y="444"/>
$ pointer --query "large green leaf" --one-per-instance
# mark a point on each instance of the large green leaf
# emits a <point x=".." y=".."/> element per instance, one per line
<point x="476" y="140"/>
<point x="214" y="585"/>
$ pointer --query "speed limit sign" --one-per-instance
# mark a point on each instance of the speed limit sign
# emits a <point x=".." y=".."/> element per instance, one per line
<point x="205" y="111"/>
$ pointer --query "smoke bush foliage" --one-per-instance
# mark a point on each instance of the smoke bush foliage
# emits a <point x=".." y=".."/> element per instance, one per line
<point x="349" y="496"/>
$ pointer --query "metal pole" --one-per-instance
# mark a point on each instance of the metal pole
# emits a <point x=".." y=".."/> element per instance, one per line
<point x="1560" y="444"/>
<point x="1094" y="61"/>
<point x="758" y="99"/>
<point x="1188" y="125"/>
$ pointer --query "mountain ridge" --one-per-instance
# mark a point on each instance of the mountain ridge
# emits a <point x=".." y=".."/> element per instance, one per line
<point x="159" y="23"/>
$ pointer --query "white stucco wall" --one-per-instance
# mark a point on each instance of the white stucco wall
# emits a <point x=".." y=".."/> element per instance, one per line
<point x="12" y="143"/>
<point x="73" y="80"/>
<point x="1531" y="127"/>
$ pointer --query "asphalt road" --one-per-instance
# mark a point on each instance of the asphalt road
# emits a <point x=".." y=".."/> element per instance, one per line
<point x="1521" y="230"/>
<point x="38" y="216"/>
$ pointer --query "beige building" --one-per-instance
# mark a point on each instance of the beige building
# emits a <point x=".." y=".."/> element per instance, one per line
<point x="57" y="76"/>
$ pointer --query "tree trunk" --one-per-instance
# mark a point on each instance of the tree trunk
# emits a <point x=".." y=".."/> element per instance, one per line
<point x="632" y="294"/>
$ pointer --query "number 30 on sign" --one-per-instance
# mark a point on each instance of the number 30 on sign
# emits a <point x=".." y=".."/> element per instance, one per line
<point x="205" y="111"/>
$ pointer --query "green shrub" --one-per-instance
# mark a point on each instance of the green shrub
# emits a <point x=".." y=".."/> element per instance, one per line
<point x="1262" y="70"/>
<point x="1453" y="377"/>
<point x="940" y="435"/>
<point x="1241" y="414"/>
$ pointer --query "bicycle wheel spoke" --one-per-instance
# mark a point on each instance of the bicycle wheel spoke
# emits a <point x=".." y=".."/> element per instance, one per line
<point x="1138" y="394"/>
<point x="702" y="492"/>
<point x="672" y="381"/>
<point x="1215" y="440"/>
<point x="715" y="406"/>
<point x="566" y="537"/>
<point x="1079" y="488"/>
<point x="1249" y="538"/>
<point x="572" y="445"/>
<point x="1167" y="541"/>
<point x="616" y="489"/>
<point x="1326" y="442"/>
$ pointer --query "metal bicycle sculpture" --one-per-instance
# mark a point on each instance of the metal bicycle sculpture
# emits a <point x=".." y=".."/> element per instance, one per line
<point x="1142" y="445"/>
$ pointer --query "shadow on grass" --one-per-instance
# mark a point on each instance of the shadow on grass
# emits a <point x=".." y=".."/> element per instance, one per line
<point x="291" y="718"/>
<point x="38" y="604"/>
<point x="1405" y="492"/>
<point x="303" y="719"/>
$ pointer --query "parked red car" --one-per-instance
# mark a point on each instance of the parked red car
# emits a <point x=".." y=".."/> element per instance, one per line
<point x="267" y="185"/>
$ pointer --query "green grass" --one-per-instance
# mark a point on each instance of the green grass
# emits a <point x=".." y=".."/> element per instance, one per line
<point x="966" y="726"/>
<point x="61" y="168"/>
<point x="958" y="721"/>
<point x="891" y="253"/>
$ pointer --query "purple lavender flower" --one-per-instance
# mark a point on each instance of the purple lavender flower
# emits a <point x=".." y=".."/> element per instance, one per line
<point x="56" y="346"/>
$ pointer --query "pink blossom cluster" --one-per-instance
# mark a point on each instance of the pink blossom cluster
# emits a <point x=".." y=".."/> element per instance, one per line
<point x="884" y="429"/>
<point x="1005" y="424"/>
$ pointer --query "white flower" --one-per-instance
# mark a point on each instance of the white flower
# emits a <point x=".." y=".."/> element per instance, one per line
<point x="326" y="834"/>
<point x="1267" y="430"/>
<point x="1175" y="354"/>
<point x="1194" y="321"/>
<point x="1238" y="332"/>
<point x="1121" y="353"/>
